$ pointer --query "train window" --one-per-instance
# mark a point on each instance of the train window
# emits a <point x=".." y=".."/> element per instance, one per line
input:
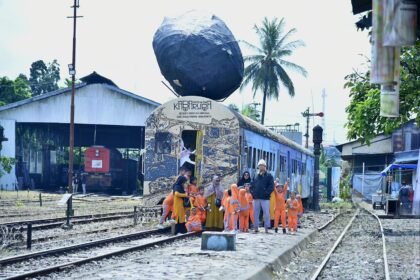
<point x="254" y="157"/>
<point x="163" y="142"/>
<point x="270" y="160"/>
<point x="274" y="162"/>
<point x="249" y="157"/>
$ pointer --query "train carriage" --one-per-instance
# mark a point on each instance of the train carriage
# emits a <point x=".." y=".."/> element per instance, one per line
<point x="219" y="141"/>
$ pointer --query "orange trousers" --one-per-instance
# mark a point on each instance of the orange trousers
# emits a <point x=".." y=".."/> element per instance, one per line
<point x="280" y="213"/>
<point x="292" y="222"/>
<point x="251" y="214"/>
<point x="244" y="220"/>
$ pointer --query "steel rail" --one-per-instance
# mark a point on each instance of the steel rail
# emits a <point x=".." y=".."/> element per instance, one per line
<point x="340" y="238"/>
<point x="337" y="242"/>
<point x="69" y="265"/>
<point x="100" y="242"/>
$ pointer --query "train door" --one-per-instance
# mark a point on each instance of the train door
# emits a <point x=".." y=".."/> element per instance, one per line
<point x="192" y="151"/>
<point x="289" y="165"/>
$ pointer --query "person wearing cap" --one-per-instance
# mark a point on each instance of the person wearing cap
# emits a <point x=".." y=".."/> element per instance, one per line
<point x="261" y="189"/>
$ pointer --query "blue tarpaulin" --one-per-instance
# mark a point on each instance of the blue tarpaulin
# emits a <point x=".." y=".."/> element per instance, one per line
<point x="398" y="166"/>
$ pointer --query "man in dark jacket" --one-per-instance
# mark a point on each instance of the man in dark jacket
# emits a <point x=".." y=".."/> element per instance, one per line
<point x="261" y="189"/>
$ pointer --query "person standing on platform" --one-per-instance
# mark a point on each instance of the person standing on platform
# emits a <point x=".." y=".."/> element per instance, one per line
<point x="273" y="203"/>
<point x="261" y="189"/>
<point x="280" y="212"/>
<point x="179" y="210"/>
<point x="244" y="211"/>
<point x="167" y="205"/>
<point x="245" y="179"/>
<point x="292" y="212"/>
<point x="214" y="195"/>
<point x="299" y="209"/>
<point x="250" y="200"/>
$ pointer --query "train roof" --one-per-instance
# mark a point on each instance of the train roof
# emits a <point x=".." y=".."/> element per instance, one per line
<point x="254" y="126"/>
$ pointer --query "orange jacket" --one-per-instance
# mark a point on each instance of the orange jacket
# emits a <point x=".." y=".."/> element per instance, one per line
<point x="200" y="202"/>
<point x="249" y="198"/>
<point x="292" y="205"/>
<point x="234" y="199"/>
<point x="281" y="198"/>
<point x="300" y="206"/>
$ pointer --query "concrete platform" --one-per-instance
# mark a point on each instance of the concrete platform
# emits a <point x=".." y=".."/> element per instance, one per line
<point x="253" y="259"/>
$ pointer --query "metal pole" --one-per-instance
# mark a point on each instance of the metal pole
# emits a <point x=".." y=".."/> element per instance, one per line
<point x="40" y="199"/>
<point x="307" y="129"/>
<point x="29" y="237"/>
<point x="71" y="140"/>
<point x="363" y="179"/>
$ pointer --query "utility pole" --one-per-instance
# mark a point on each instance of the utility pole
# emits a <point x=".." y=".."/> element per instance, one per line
<point x="324" y="99"/>
<point x="306" y="115"/>
<point x="72" y="72"/>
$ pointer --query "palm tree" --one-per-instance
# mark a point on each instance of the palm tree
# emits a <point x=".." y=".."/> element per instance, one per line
<point x="266" y="68"/>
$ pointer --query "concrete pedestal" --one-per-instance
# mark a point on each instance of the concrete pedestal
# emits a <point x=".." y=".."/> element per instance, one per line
<point x="218" y="241"/>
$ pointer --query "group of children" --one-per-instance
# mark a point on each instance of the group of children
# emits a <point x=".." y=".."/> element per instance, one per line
<point x="237" y="205"/>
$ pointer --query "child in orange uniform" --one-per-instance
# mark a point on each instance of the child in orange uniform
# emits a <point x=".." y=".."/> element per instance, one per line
<point x="250" y="200"/>
<point x="300" y="209"/>
<point x="244" y="211"/>
<point x="224" y="208"/>
<point x="280" y="192"/>
<point x="194" y="221"/>
<point x="192" y="187"/>
<point x="167" y="205"/>
<point x="233" y="212"/>
<point x="200" y="202"/>
<point x="292" y="212"/>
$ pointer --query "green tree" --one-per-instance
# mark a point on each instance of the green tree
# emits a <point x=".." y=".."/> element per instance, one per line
<point x="251" y="112"/>
<point x="44" y="77"/>
<point x="363" y="119"/>
<point x="233" y="107"/>
<point x="6" y="164"/>
<point x="14" y="90"/>
<point x="267" y="68"/>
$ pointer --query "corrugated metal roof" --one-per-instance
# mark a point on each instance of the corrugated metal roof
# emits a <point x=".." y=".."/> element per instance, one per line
<point x="64" y="90"/>
<point x="260" y="129"/>
<point x="38" y="97"/>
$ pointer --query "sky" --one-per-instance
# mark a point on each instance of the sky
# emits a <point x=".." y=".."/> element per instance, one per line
<point x="114" y="38"/>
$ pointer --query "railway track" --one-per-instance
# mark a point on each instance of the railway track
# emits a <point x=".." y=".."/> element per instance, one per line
<point x="49" y="261"/>
<point x="343" y="261"/>
<point x="40" y="224"/>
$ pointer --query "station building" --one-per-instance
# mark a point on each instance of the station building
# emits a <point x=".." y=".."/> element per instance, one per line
<point x="38" y="133"/>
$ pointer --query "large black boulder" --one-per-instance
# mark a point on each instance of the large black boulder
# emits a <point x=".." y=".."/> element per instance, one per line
<point x="198" y="55"/>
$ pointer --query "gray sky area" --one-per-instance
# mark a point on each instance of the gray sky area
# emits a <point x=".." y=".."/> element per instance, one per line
<point x="115" y="39"/>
